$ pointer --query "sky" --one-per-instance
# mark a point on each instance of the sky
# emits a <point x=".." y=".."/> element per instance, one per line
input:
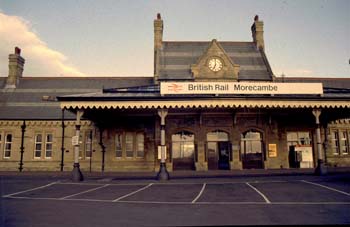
<point x="303" y="38"/>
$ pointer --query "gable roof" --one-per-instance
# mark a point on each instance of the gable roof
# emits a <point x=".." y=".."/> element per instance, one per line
<point x="176" y="59"/>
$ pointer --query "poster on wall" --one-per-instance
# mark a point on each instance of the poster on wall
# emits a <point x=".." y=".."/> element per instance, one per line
<point x="272" y="150"/>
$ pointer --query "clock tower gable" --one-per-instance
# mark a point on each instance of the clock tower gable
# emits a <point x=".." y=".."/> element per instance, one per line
<point x="215" y="64"/>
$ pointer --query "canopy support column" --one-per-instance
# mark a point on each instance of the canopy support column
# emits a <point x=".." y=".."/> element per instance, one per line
<point x="321" y="168"/>
<point x="163" y="173"/>
<point x="76" y="173"/>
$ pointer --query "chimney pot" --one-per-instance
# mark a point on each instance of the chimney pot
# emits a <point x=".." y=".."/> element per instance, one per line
<point x="256" y="18"/>
<point x="158" y="16"/>
<point x="17" y="51"/>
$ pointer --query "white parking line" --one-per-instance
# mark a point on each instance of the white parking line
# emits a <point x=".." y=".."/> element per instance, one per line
<point x="32" y="189"/>
<point x="185" y="203"/>
<point x="329" y="188"/>
<point x="260" y="193"/>
<point x="90" y="190"/>
<point x="132" y="193"/>
<point x="199" y="194"/>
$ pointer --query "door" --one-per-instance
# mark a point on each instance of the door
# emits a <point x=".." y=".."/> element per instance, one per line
<point x="224" y="155"/>
<point x="212" y="156"/>
<point x="218" y="155"/>
<point x="218" y="150"/>
<point x="252" y="150"/>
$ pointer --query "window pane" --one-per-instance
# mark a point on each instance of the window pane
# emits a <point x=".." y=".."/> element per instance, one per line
<point x="48" y="154"/>
<point x="118" y="145"/>
<point x="38" y="138"/>
<point x="7" y="153"/>
<point x="37" y="154"/>
<point x="140" y="144"/>
<point x="49" y="138"/>
<point x="38" y="146"/>
<point x="88" y="144"/>
<point x="9" y="138"/>
<point x="129" y="148"/>
<point x="343" y="142"/>
<point x="217" y="136"/>
<point x="335" y="142"/>
<point x="49" y="146"/>
<point x="292" y="136"/>
<point x="8" y="146"/>
<point x="176" y="149"/>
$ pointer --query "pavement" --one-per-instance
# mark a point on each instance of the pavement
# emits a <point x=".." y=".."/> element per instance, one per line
<point x="177" y="174"/>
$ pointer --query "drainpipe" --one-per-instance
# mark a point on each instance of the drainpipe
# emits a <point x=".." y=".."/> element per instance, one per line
<point x="103" y="150"/>
<point x="62" y="144"/>
<point x="23" y="127"/>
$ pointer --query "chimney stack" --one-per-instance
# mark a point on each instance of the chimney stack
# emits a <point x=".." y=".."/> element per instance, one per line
<point x="158" y="32"/>
<point x="158" y="42"/>
<point x="16" y="63"/>
<point x="258" y="33"/>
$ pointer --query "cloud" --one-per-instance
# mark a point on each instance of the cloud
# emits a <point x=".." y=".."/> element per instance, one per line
<point x="40" y="59"/>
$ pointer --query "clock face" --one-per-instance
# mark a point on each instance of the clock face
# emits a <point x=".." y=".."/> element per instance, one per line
<point x="215" y="64"/>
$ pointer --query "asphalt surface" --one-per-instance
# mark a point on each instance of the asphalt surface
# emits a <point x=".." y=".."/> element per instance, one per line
<point x="203" y="201"/>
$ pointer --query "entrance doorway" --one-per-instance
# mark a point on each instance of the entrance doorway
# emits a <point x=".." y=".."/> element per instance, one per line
<point x="252" y="150"/>
<point x="300" y="154"/>
<point x="218" y="150"/>
<point x="183" y="150"/>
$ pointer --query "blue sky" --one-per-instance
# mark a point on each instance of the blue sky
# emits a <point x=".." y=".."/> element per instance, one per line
<point x="115" y="38"/>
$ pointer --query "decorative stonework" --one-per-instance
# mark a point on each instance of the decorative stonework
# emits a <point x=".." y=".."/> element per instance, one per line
<point x="227" y="71"/>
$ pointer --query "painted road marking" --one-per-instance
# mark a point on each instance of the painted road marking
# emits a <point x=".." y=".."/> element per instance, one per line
<point x="329" y="188"/>
<point x="29" y="190"/>
<point x="90" y="190"/>
<point x="260" y="193"/>
<point x="199" y="194"/>
<point x="132" y="193"/>
<point x="186" y="203"/>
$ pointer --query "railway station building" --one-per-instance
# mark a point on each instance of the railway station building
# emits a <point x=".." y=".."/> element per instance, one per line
<point x="213" y="105"/>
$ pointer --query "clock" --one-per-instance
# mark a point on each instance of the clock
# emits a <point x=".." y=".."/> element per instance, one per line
<point x="215" y="64"/>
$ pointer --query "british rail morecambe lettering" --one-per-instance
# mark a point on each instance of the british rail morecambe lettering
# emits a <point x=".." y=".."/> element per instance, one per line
<point x="238" y="87"/>
<point x="226" y="87"/>
<point x="208" y="87"/>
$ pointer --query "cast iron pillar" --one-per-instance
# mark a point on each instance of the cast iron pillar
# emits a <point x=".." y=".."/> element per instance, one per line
<point x="163" y="173"/>
<point x="76" y="173"/>
<point x="23" y="127"/>
<point x="321" y="168"/>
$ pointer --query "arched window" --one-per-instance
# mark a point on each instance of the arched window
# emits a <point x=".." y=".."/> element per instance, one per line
<point x="183" y="150"/>
<point x="252" y="150"/>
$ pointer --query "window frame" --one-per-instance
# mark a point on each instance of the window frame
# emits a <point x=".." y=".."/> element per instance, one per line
<point x="88" y="138"/>
<point x="132" y="144"/>
<point x="44" y="145"/>
<point x="5" y="145"/>
<point x="35" y="145"/>
<point x="336" y="141"/>
<point x="48" y="143"/>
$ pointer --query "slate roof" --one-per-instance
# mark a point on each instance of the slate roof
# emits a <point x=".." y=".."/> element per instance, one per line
<point x="176" y="59"/>
<point x="334" y="88"/>
<point x="35" y="97"/>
